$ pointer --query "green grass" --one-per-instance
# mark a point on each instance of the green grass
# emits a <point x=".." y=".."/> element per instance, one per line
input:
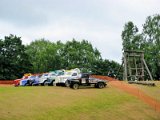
<point x="61" y="103"/>
<point x="150" y="90"/>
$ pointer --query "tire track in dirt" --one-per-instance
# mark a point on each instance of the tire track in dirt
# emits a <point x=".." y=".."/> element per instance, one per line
<point x="155" y="104"/>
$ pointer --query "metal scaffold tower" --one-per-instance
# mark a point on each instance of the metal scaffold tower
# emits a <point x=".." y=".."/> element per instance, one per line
<point x="134" y="66"/>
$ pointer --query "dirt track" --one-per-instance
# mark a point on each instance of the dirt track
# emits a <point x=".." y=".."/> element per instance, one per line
<point x="132" y="90"/>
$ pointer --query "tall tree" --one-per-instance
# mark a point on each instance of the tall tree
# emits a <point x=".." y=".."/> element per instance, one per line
<point x="2" y="59"/>
<point x="79" y="54"/>
<point x="14" y="60"/>
<point x="130" y="38"/>
<point x="42" y="54"/>
<point x="151" y="44"/>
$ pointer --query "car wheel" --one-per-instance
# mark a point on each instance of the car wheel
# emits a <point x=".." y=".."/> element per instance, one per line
<point x="30" y="84"/>
<point x="67" y="83"/>
<point x="26" y="84"/>
<point x="45" y="83"/>
<point x="34" y="84"/>
<point x="75" y="86"/>
<point x="51" y="84"/>
<point x="100" y="85"/>
<point x="42" y="84"/>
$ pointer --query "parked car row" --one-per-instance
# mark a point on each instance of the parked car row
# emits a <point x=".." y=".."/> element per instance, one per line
<point x="71" y="78"/>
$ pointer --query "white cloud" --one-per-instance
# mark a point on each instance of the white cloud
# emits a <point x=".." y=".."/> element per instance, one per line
<point x="99" y="21"/>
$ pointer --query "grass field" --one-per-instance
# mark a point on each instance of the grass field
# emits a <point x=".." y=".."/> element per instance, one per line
<point x="151" y="91"/>
<point x="61" y="103"/>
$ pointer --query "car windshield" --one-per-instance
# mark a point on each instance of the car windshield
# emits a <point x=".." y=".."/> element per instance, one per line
<point x="68" y="73"/>
<point x="32" y="77"/>
<point x="44" y="75"/>
<point x="39" y="76"/>
<point x="51" y="74"/>
<point x="60" y="73"/>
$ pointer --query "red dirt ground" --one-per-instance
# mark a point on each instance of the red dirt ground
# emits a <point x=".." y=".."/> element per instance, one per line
<point x="6" y="82"/>
<point x="132" y="90"/>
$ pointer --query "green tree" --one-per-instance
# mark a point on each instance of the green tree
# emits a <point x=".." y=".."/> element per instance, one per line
<point x="151" y="44"/>
<point x="131" y="40"/>
<point x="79" y="54"/>
<point x="14" y="61"/>
<point x="107" y="68"/>
<point x="1" y="59"/>
<point x="44" y="55"/>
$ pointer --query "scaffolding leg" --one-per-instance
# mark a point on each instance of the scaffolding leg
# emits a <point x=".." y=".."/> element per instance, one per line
<point x="147" y="69"/>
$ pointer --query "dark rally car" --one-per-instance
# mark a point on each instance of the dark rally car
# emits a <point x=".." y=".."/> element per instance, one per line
<point x="85" y="80"/>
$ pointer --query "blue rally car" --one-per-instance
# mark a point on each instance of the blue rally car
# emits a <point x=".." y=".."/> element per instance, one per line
<point x="34" y="81"/>
<point x="31" y="80"/>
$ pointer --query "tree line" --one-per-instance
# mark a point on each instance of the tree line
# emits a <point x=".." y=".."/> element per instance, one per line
<point x="148" y="40"/>
<point x="43" y="56"/>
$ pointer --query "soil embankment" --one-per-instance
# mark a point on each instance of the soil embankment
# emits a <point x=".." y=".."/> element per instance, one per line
<point x="131" y="90"/>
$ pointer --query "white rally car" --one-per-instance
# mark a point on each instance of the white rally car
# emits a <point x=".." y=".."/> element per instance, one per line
<point x="68" y="74"/>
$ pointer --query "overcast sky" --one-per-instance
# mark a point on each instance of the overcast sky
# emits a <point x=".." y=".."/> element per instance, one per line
<point x="98" y="21"/>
